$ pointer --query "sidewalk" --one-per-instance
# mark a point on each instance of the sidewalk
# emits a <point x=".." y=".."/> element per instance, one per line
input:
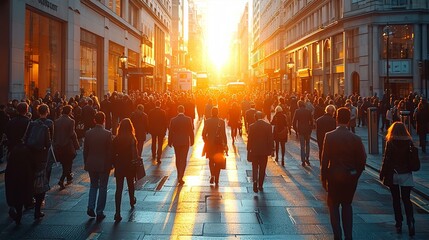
<point x="373" y="161"/>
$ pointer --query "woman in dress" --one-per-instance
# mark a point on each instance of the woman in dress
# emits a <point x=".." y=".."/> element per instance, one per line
<point x="124" y="152"/>
<point x="280" y="132"/>
<point x="396" y="174"/>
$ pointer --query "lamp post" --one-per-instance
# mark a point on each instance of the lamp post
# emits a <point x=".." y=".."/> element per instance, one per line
<point x="387" y="32"/>
<point x="290" y="65"/>
<point x="123" y="60"/>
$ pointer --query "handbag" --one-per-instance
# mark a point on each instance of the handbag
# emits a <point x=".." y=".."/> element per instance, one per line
<point x="41" y="183"/>
<point x="414" y="161"/>
<point x="220" y="161"/>
<point x="140" y="171"/>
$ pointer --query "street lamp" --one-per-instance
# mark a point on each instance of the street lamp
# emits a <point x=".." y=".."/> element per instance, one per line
<point x="290" y="65"/>
<point x="387" y="32"/>
<point x="123" y="60"/>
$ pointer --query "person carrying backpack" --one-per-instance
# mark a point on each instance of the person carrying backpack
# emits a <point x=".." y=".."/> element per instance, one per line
<point x="39" y="142"/>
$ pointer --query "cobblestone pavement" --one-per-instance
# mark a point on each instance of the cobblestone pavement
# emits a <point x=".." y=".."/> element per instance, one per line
<point x="292" y="205"/>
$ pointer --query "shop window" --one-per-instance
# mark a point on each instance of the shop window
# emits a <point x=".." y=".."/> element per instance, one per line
<point x="43" y="55"/>
<point x="399" y="39"/>
<point x="90" y="53"/>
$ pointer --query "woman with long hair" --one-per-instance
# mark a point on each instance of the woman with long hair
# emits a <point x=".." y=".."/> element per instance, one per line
<point x="124" y="152"/>
<point x="280" y="132"/>
<point x="396" y="174"/>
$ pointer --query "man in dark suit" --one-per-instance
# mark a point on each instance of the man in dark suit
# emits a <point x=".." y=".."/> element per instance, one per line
<point x="157" y="129"/>
<point x="98" y="163"/>
<point x="65" y="144"/>
<point x="259" y="147"/>
<point x="343" y="160"/>
<point x="88" y="113"/>
<point x="181" y="137"/>
<point x="140" y="121"/>
<point x="324" y="124"/>
<point x="215" y="143"/>
<point x="302" y="124"/>
<point x="250" y="116"/>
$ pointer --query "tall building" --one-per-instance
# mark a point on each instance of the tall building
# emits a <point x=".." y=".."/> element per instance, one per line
<point x="196" y="59"/>
<point x="342" y="46"/>
<point x="76" y="47"/>
<point x="242" y="57"/>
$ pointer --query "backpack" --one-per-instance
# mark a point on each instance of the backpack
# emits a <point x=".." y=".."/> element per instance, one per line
<point x="37" y="136"/>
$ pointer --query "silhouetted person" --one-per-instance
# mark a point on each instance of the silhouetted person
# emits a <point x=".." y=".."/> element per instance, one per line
<point x="324" y="124"/>
<point x="157" y="128"/>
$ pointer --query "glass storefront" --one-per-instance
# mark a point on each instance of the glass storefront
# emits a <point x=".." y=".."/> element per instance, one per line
<point x="114" y="74"/>
<point x="90" y="53"/>
<point x="43" y="55"/>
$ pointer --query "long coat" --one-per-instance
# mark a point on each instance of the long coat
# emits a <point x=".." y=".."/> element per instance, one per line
<point x="20" y="169"/>
<point x="280" y="124"/>
<point x="343" y="160"/>
<point x="181" y="131"/>
<point x="211" y="127"/>
<point x="141" y="124"/>
<point x="324" y="124"/>
<point x="65" y="141"/>
<point x="124" y="150"/>
<point x="422" y="120"/>
<point x="97" y="150"/>
<point x="157" y="122"/>
<point x="260" y="141"/>
<point x="302" y="121"/>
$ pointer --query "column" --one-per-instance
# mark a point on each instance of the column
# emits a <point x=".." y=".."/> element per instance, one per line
<point x="417" y="84"/>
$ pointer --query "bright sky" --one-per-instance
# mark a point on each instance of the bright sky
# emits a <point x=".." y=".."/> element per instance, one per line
<point x="222" y="18"/>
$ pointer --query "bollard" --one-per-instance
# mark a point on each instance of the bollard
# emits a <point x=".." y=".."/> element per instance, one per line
<point x="406" y="119"/>
<point x="372" y="130"/>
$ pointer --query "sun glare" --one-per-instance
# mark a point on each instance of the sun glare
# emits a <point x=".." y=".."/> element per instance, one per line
<point x="222" y="17"/>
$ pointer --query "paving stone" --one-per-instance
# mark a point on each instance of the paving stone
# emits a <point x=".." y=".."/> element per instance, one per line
<point x="220" y="229"/>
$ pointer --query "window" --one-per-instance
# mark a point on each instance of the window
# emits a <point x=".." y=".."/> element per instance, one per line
<point x="115" y="6"/>
<point x="90" y="49"/>
<point x="133" y="13"/>
<point x="400" y="41"/>
<point x="338" y="47"/>
<point x="44" y="44"/>
<point x="352" y="45"/>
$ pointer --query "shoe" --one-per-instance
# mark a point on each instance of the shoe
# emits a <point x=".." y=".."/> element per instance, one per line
<point x="277" y="159"/>
<point x="255" y="187"/>
<point x="133" y="202"/>
<point x="308" y="162"/>
<point x="283" y="162"/>
<point x="90" y="212"/>
<point x="303" y="164"/>
<point x="181" y="182"/>
<point x="69" y="182"/>
<point x="158" y="161"/>
<point x="261" y="188"/>
<point x="411" y="229"/>
<point x="61" y="184"/>
<point x="100" y="216"/>
<point x="117" y="217"/>
<point x="212" y="180"/>
<point x="38" y="215"/>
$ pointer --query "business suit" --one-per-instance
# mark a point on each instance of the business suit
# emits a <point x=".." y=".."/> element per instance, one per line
<point x="250" y="117"/>
<point x="181" y="136"/>
<point x="98" y="162"/>
<point x="140" y="122"/>
<point x="324" y="124"/>
<point x="302" y="123"/>
<point x="212" y="149"/>
<point x="157" y="129"/>
<point x="65" y="144"/>
<point x="343" y="160"/>
<point x="259" y="147"/>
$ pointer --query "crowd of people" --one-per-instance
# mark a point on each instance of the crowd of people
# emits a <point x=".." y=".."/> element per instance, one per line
<point x="112" y="133"/>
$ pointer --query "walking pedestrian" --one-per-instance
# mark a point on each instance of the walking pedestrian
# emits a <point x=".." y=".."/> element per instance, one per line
<point x="234" y="120"/>
<point x="124" y="153"/>
<point x="396" y="174"/>
<point x="157" y="119"/>
<point x="181" y="137"/>
<point x="259" y="147"/>
<point x="65" y="144"/>
<point x="324" y="124"/>
<point x="98" y="162"/>
<point x="421" y="116"/>
<point x="343" y="160"/>
<point x="140" y="122"/>
<point x="19" y="173"/>
<point x="280" y="132"/>
<point x="303" y="124"/>
<point x="215" y="144"/>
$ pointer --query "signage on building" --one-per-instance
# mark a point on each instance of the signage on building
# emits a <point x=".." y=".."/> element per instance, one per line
<point x="143" y="71"/>
<point x="48" y="4"/>
<point x="304" y="73"/>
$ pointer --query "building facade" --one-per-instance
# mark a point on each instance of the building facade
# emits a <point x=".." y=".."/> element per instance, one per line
<point x="75" y="47"/>
<point x="342" y="46"/>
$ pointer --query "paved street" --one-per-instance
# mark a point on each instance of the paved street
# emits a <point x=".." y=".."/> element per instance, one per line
<point x="292" y="205"/>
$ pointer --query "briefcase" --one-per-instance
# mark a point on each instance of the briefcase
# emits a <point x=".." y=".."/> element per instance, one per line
<point x="139" y="167"/>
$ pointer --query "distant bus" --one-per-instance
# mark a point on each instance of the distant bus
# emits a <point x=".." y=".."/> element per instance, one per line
<point x="235" y="87"/>
<point x="202" y="80"/>
<point x="186" y="80"/>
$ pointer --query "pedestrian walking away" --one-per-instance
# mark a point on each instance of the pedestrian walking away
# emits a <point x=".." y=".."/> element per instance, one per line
<point x="181" y="137"/>
<point x="157" y="128"/>
<point x="98" y="162"/>
<point x="343" y="160"/>
<point x="303" y="124"/>
<point x="324" y="124"/>
<point x="395" y="173"/>
<point x="259" y="147"/>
